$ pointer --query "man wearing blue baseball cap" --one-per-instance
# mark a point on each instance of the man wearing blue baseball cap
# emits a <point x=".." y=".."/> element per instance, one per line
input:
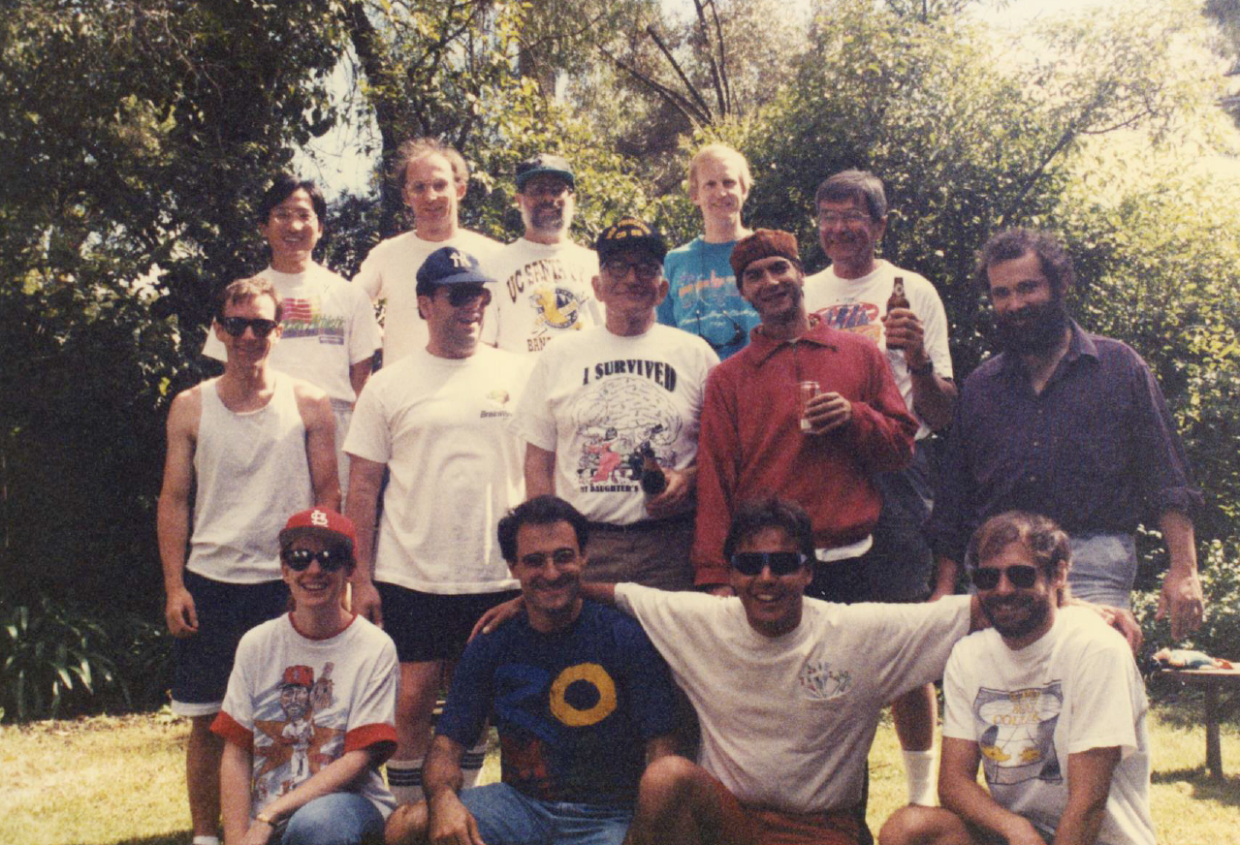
<point x="436" y="420"/>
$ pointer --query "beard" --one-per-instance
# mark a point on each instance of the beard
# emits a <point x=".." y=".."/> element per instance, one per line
<point x="1032" y="330"/>
<point x="547" y="219"/>
<point x="1037" y="611"/>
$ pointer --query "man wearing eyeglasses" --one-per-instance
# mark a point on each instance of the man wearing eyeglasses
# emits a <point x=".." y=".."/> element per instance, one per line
<point x="605" y="403"/>
<point x="328" y="330"/>
<point x="436" y="420"/>
<point x="853" y="295"/>
<point x="1049" y="702"/>
<point x="544" y="278"/>
<point x="433" y="178"/>
<point x="251" y="444"/>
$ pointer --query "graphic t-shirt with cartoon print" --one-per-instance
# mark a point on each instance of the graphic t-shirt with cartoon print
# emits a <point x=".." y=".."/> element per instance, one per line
<point x="1074" y="689"/>
<point x="596" y="398"/>
<point x="544" y="290"/>
<point x="297" y="704"/>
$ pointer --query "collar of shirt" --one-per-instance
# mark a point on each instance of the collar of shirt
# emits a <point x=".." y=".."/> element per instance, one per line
<point x="761" y="347"/>
<point x="1081" y="345"/>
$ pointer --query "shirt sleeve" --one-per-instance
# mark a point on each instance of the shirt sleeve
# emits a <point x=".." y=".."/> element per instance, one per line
<point x="473" y="690"/>
<point x="1103" y="698"/>
<point x="369" y="436"/>
<point x="372" y="714"/>
<point x="957" y="701"/>
<point x="947" y="530"/>
<point x="913" y="641"/>
<point x="1165" y="476"/>
<point x="365" y="335"/>
<point x="235" y="721"/>
<point x="666" y="312"/>
<point x="369" y="276"/>
<point x="533" y="421"/>
<point x="648" y="681"/>
<point x="933" y="318"/>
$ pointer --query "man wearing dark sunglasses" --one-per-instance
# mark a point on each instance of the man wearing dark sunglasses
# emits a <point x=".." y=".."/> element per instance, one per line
<point x="1049" y="702"/>
<point x="436" y="421"/>
<point x="251" y="445"/>
<point x="602" y="398"/>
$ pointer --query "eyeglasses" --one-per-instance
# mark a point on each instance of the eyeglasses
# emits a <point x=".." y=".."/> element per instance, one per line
<point x="459" y="295"/>
<point x="1020" y="575"/>
<point x="781" y="563"/>
<point x="849" y="218"/>
<point x="236" y="326"/>
<point x="330" y="559"/>
<point x="284" y="215"/>
<point x="618" y="268"/>
<point x="560" y="557"/>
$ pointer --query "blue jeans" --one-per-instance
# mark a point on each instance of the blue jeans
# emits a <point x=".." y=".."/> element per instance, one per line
<point x="1104" y="567"/>
<point x="342" y="818"/>
<point x="508" y="817"/>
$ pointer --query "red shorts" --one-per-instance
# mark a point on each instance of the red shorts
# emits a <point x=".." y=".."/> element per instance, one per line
<point x="756" y="826"/>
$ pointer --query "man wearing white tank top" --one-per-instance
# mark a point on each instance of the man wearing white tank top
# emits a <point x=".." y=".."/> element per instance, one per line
<point x="255" y="446"/>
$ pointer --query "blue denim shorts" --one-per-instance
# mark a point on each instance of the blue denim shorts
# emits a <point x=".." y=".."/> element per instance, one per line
<point x="506" y="816"/>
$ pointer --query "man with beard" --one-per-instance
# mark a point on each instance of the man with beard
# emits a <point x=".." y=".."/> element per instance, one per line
<point x="544" y="278"/>
<point x="1072" y="425"/>
<point x="1048" y="701"/>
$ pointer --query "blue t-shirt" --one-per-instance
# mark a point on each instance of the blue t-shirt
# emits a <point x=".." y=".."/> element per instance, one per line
<point x="574" y="708"/>
<point x="703" y="298"/>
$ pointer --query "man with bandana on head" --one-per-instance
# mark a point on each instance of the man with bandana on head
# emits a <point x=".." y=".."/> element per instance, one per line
<point x="1071" y="425"/>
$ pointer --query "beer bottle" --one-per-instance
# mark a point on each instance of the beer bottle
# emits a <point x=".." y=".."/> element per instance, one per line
<point x="898" y="300"/>
<point x="654" y="480"/>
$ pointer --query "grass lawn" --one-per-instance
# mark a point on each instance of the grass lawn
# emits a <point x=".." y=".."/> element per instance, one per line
<point x="121" y="780"/>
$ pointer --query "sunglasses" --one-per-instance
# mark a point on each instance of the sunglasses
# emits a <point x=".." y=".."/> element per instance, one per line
<point x="236" y="326"/>
<point x="1020" y="575"/>
<point x="781" y="563"/>
<point x="459" y="295"/>
<point x="330" y="559"/>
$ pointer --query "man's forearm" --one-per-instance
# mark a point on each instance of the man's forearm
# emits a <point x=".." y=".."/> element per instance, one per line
<point x="1180" y="538"/>
<point x="172" y="528"/>
<point x="442" y="770"/>
<point x="1089" y="783"/>
<point x="934" y="399"/>
<point x="600" y="592"/>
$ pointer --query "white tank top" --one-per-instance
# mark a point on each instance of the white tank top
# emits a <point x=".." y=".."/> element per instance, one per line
<point x="252" y="475"/>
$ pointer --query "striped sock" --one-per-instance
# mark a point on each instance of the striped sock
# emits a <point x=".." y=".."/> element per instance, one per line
<point x="472" y="760"/>
<point x="405" y="780"/>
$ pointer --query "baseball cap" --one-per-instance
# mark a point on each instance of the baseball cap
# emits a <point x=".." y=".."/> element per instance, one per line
<point x="323" y="522"/>
<point x="552" y="165"/>
<point x="449" y="266"/>
<point x="627" y="233"/>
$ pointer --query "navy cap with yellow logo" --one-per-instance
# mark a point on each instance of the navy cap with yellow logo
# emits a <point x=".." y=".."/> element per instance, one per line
<point x="630" y="233"/>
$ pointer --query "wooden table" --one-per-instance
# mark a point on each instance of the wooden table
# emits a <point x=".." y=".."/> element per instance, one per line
<point x="1213" y="681"/>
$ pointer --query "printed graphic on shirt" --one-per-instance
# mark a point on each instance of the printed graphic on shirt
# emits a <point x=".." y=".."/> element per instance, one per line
<point x="288" y="751"/>
<point x="627" y="404"/>
<point x="305" y="318"/>
<point x="547" y="287"/>
<point x="863" y="318"/>
<point x="822" y="683"/>
<point x="498" y="397"/>
<point x="534" y="756"/>
<point x="1016" y="730"/>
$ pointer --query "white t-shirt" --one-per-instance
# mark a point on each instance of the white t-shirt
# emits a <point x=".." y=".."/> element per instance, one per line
<point x="342" y="697"/>
<point x="544" y="290"/>
<point x="329" y="325"/>
<point x="787" y="722"/>
<point x="859" y="305"/>
<point x="441" y="426"/>
<point x="1074" y="689"/>
<point x="390" y="272"/>
<point x="595" y="397"/>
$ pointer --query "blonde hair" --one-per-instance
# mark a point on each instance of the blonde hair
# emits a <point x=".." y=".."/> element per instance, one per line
<point x="719" y="152"/>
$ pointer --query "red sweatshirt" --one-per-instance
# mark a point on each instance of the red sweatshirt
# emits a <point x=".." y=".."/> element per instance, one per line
<point x="751" y="443"/>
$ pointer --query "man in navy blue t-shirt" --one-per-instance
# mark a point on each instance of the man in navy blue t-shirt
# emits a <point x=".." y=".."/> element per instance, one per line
<point x="581" y="699"/>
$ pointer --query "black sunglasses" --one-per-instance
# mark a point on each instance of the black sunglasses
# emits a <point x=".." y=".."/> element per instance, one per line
<point x="459" y="295"/>
<point x="330" y="559"/>
<point x="236" y="326"/>
<point x="1020" y="575"/>
<point x="781" y="563"/>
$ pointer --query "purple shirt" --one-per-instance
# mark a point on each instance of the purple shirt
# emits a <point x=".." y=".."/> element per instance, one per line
<point x="1096" y="451"/>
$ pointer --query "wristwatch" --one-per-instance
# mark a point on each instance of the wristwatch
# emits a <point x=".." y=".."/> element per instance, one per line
<point x="924" y="369"/>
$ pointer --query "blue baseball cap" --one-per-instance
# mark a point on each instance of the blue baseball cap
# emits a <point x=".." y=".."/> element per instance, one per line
<point x="449" y="266"/>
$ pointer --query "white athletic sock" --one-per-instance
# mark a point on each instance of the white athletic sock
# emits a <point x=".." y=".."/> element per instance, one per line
<point x="471" y="762"/>
<point x="919" y="768"/>
<point x="405" y="780"/>
<point x="206" y="840"/>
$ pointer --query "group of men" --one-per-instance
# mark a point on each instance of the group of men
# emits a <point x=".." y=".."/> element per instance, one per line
<point x="797" y="466"/>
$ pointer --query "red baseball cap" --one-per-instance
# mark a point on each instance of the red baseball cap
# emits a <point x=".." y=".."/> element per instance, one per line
<point x="323" y="522"/>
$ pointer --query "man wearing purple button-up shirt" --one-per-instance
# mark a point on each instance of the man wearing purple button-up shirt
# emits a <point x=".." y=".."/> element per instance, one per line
<point x="1070" y="425"/>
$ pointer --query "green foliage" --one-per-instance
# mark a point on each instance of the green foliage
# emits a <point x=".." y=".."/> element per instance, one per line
<point x="51" y="660"/>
